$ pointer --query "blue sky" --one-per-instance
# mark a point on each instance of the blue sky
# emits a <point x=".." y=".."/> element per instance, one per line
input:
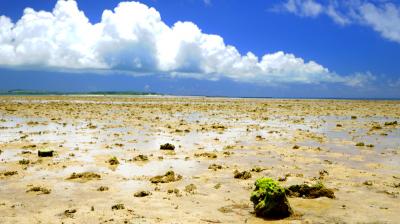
<point x="299" y="48"/>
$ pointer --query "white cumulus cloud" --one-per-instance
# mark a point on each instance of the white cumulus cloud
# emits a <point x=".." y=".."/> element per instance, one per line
<point x="381" y="16"/>
<point x="133" y="38"/>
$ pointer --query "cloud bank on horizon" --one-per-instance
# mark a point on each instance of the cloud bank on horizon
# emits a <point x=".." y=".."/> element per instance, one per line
<point x="383" y="16"/>
<point x="133" y="38"/>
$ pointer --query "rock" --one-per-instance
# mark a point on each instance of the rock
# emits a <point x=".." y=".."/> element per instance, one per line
<point x="167" y="146"/>
<point x="360" y="144"/>
<point x="118" y="207"/>
<point x="368" y="183"/>
<point x="389" y="123"/>
<point x="113" y="161"/>
<point x="214" y="167"/>
<point x="45" y="152"/>
<point x="306" y="191"/>
<point x="8" y="173"/>
<point x="257" y="169"/>
<point x="24" y="162"/>
<point x="40" y="190"/>
<point x="242" y="175"/>
<point x="141" y="158"/>
<point x="84" y="176"/>
<point x="142" y="193"/>
<point x="166" y="178"/>
<point x="102" y="188"/>
<point x="269" y="199"/>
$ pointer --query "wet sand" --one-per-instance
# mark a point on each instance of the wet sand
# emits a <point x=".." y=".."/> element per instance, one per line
<point x="297" y="141"/>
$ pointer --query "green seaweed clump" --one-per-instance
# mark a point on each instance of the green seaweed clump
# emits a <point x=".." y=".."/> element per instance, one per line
<point x="314" y="191"/>
<point x="270" y="200"/>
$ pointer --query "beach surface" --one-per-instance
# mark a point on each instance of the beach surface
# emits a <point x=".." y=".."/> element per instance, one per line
<point x="107" y="153"/>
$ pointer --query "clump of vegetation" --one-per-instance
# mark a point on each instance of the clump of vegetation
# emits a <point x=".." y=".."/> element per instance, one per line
<point x="24" y="162"/>
<point x="353" y="117"/>
<point x="244" y="175"/>
<point x="166" y="178"/>
<point x="141" y="158"/>
<point x="142" y="193"/>
<point x="257" y="169"/>
<point x="113" y="161"/>
<point x="209" y="155"/>
<point x="214" y="167"/>
<point x="175" y="191"/>
<point x="102" y="188"/>
<point x="390" y="123"/>
<point x="306" y="191"/>
<point x="40" y="190"/>
<point x="45" y="152"/>
<point x="360" y="144"/>
<point x="269" y="199"/>
<point x="118" y="207"/>
<point x="376" y="127"/>
<point x="167" y="146"/>
<point x="191" y="188"/>
<point x="84" y="176"/>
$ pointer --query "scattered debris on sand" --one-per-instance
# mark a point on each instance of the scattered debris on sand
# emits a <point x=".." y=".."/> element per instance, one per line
<point x="209" y="155"/>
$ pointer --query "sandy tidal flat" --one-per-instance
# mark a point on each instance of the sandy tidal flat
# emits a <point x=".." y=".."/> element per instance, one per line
<point x="107" y="153"/>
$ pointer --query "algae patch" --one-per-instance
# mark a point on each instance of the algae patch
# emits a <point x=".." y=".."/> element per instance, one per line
<point x="269" y="199"/>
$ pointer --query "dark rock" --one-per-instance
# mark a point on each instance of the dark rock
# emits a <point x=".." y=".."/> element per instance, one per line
<point x="167" y="146"/>
<point x="166" y="178"/>
<point x="45" y="153"/>
<point x="242" y="175"/>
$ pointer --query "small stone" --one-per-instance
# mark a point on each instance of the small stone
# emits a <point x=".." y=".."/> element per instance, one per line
<point x="45" y="152"/>
<point x="167" y="146"/>
<point x="118" y="207"/>
<point x="244" y="175"/>
<point x="142" y="193"/>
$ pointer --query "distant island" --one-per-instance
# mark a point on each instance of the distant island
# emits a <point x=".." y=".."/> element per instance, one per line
<point x="40" y="93"/>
